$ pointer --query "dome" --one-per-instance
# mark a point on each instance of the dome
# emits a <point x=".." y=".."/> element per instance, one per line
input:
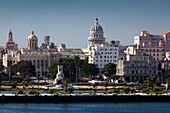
<point x="32" y="36"/>
<point x="96" y="27"/>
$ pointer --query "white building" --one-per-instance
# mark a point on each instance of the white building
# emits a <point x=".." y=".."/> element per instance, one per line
<point x="102" y="54"/>
<point x="96" y="35"/>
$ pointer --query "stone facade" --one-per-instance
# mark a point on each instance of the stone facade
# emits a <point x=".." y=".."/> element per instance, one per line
<point x="135" y="68"/>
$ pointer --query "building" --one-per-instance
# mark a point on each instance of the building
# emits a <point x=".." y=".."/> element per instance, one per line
<point x="96" y="35"/>
<point x="10" y="44"/>
<point x="98" y="51"/>
<point x="32" y="42"/>
<point x="153" y="45"/>
<point x="138" y="66"/>
<point x="102" y="54"/>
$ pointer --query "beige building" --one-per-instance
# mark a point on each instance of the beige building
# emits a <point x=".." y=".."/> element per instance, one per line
<point x="41" y="57"/>
<point x="136" y="67"/>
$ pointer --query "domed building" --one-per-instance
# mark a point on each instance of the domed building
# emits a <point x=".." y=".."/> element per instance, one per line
<point x="32" y="41"/>
<point x="96" y="34"/>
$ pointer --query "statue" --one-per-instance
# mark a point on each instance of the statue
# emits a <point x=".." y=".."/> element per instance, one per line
<point x="59" y="75"/>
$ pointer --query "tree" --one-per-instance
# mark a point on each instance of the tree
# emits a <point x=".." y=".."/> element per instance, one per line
<point x="151" y="81"/>
<point x="53" y="70"/>
<point x="73" y="68"/>
<point x="109" y="70"/>
<point x="25" y="68"/>
<point x="64" y="82"/>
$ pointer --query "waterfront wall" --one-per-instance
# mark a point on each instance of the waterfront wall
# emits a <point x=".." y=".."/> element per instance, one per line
<point x="56" y="99"/>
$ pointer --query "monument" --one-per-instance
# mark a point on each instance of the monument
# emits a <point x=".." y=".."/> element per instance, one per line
<point x="59" y="76"/>
<point x="57" y="81"/>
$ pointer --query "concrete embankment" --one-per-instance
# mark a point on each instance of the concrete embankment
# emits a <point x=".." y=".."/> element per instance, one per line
<point x="56" y="99"/>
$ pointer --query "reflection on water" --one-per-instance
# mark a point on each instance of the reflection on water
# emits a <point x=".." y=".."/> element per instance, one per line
<point x="160" y="107"/>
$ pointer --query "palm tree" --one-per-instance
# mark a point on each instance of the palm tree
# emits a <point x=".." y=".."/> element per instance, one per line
<point x="64" y="82"/>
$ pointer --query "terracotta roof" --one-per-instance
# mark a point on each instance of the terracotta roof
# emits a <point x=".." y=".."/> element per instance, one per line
<point x="165" y="33"/>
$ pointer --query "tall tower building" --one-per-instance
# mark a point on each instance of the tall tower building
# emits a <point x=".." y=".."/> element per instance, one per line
<point x="47" y="40"/>
<point x="32" y="42"/>
<point x="96" y="35"/>
<point x="10" y="44"/>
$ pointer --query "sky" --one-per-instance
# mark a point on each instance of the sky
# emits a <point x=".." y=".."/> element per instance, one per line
<point x="69" y="21"/>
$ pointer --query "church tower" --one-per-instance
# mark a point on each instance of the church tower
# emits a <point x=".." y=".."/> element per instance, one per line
<point x="10" y="44"/>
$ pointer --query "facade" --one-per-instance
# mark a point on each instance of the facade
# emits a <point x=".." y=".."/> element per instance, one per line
<point x="153" y="45"/>
<point x="102" y="54"/>
<point x="137" y="67"/>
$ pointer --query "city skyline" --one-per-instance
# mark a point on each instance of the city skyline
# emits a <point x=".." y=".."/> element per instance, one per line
<point x="67" y="21"/>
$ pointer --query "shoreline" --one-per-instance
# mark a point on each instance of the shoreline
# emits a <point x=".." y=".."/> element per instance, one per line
<point x="88" y="98"/>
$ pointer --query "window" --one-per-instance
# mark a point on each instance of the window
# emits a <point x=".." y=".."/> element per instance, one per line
<point x="133" y="72"/>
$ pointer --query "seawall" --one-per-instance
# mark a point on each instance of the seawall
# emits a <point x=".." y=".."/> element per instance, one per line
<point x="56" y="99"/>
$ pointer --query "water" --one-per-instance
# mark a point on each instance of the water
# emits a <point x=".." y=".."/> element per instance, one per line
<point x="159" y="107"/>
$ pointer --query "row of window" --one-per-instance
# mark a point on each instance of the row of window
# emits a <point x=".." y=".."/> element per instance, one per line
<point x="142" y="72"/>
<point x="111" y="49"/>
<point x="40" y="63"/>
<point x="96" y="35"/>
<point x="150" y="38"/>
<point x="106" y="57"/>
<point x="98" y="53"/>
<point x="154" y="50"/>
<point x="108" y="61"/>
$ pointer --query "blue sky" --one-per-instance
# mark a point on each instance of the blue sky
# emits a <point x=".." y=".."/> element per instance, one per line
<point x="69" y="21"/>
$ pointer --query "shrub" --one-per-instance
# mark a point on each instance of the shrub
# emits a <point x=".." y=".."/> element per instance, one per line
<point x="157" y="90"/>
<point x="32" y="92"/>
<point x="126" y="90"/>
<point x="51" y="91"/>
<point x="20" y="92"/>
<point x="146" y="90"/>
<point x="116" y="90"/>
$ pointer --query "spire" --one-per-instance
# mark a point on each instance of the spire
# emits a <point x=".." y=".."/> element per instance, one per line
<point x="96" y="21"/>
<point x="32" y="33"/>
<point x="10" y="35"/>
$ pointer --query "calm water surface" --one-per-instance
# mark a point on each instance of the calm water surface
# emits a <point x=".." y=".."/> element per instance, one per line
<point x="160" y="107"/>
